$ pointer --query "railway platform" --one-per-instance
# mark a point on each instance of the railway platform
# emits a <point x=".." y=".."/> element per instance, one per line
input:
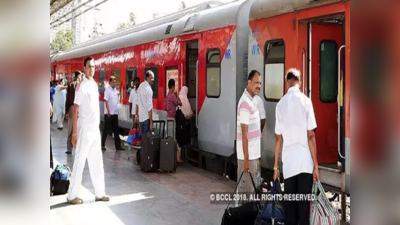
<point x="136" y="197"/>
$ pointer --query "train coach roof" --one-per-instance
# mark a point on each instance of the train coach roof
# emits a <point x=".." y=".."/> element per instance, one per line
<point x="182" y="23"/>
<point x="268" y="8"/>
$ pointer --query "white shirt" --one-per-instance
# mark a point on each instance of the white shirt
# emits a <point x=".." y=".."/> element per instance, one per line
<point x="248" y="114"/>
<point x="133" y="100"/>
<point x="294" y="117"/>
<point x="260" y="104"/>
<point x="87" y="97"/>
<point x="111" y="96"/>
<point x="144" y="101"/>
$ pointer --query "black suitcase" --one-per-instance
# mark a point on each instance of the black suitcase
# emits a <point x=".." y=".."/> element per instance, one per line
<point x="150" y="152"/>
<point x="168" y="159"/>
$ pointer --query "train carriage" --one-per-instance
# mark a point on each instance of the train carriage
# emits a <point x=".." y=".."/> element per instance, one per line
<point x="313" y="36"/>
<point x="211" y="51"/>
<point x="205" y="50"/>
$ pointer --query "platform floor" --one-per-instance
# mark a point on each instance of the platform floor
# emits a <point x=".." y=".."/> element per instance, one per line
<point x="136" y="197"/>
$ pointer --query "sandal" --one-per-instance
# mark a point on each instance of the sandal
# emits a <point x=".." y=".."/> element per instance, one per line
<point x="75" y="201"/>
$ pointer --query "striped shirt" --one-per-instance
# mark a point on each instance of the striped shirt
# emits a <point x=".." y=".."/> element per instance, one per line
<point x="248" y="113"/>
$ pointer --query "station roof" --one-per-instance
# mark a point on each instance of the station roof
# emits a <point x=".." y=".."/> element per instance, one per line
<point x="56" y="5"/>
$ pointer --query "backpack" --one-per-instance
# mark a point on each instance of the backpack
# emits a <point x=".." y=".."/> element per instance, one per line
<point x="272" y="213"/>
<point x="60" y="179"/>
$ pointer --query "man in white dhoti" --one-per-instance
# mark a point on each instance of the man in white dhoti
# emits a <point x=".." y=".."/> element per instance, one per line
<point x="59" y="104"/>
<point x="86" y="137"/>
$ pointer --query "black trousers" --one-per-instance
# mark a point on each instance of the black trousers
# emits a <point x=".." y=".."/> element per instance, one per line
<point x="111" y="122"/>
<point x="51" y="155"/>
<point x="298" y="213"/>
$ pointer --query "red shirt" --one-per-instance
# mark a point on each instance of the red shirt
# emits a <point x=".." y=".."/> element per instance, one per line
<point x="171" y="102"/>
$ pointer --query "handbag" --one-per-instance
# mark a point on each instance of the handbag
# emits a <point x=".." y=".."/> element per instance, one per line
<point x="244" y="214"/>
<point x="134" y="135"/>
<point x="60" y="180"/>
<point x="272" y="213"/>
<point x="322" y="212"/>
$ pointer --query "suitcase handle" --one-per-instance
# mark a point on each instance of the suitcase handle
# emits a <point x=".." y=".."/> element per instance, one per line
<point x="252" y="181"/>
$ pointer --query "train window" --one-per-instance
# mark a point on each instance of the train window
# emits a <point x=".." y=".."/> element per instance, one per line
<point x="154" y="86"/>
<point x="328" y="72"/>
<point x="131" y="73"/>
<point x="171" y="73"/>
<point x="116" y="74"/>
<point x="213" y="75"/>
<point x="102" y="78"/>
<point x="274" y="70"/>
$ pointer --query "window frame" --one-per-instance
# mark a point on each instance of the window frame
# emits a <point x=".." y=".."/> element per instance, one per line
<point x="335" y="100"/>
<point x="214" y="65"/>
<point x="101" y="87"/>
<point x="156" y="78"/>
<point x="274" y="62"/>
<point x="166" y="79"/>
<point x="126" y="77"/>
<point x="119" y="78"/>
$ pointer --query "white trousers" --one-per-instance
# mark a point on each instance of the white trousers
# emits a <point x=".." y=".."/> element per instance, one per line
<point x="88" y="147"/>
<point x="60" y="121"/>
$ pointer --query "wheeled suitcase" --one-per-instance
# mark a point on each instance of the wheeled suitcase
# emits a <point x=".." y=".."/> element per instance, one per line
<point x="168" y="161"/>
<point x="150" y="152"/>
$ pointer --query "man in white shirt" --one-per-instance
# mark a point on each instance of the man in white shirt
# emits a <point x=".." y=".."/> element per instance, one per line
<point x="248" y="139"/>
<point x="260" y="105"/>
<point x="86" y="137"/>
<point x="295" y="125"/>
<point x="144" y="109"/>
<point x="133" y="98"/>
<point x="111" y="115"/>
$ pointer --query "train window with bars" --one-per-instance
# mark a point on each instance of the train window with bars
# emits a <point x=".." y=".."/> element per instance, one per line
<point x="154" y="86"/>
<point x="213" y="73"/>
<point x="116" y="74"/>
<point x="274" y="70"/>
<point x="131" y="73"/>
<point x="102" y="79"/>
<point x="328" y="72"/>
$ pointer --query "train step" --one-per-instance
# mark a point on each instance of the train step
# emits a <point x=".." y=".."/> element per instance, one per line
<point x="331" y="175"/>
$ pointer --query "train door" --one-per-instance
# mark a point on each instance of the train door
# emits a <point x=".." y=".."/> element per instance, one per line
<point x="326" y="38"/>
<point x="192" y="57"/>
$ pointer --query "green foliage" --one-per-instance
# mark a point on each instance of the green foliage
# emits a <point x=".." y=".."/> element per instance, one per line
<point x="132" y="22"/>
<point x="62" y="41"/>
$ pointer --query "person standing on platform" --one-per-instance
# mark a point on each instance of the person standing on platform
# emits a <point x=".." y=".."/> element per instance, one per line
<point x="86" y="137"/>
<point x="248" y="142"/>
<point x="59" y="104"/>
<point x="294" y="129"/>
<point x="69" y="107"/>
<point x="172" y="102"/>
<point x="144" y="109"/>
<point x="111" y="115"/>
<point x="133" y="98"/>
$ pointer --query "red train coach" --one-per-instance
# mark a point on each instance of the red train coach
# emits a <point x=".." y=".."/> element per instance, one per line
<point x="313" y="36"/>
<point x="203" y="49"/>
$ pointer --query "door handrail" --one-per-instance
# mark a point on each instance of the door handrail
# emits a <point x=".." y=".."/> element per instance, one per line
<point x="338" y="109"/>
<point x="197" y="94"/>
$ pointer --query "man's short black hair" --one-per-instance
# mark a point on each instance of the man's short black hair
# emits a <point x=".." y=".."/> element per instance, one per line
<point x="112" y="78"/>
<point x="252" y="73"/>
<point x="148" y="73"/>
<point x="89" y="58"/>
<point x="76" y="74"/>
<point x="293" y="74"/>
<point x="136" y="79"/>
<point x="171" y="83"/>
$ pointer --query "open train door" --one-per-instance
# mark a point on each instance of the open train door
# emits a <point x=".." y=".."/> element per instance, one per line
<point x="326" y="39"/>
